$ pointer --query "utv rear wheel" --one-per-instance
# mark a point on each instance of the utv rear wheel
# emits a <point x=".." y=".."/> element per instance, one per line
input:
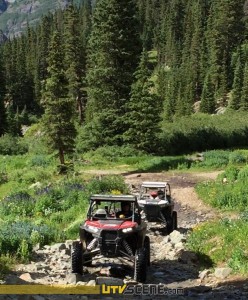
<point x="148" y="251"/>
<point x="140" y="265"/>
<point x="174" y="216"/>
<point x="172" y="222"/>
<point x="77" y="258"/>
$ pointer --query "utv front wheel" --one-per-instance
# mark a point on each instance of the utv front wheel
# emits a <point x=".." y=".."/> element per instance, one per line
<point x="87" y="260"/>
<point x="148" y="251"/>
<point x="140" y="265"/>
<point x="174" y="216"/>
<point x="77" y="258"/>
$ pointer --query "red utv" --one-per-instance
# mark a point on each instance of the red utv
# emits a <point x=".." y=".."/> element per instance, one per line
<point x="112" y="232"/>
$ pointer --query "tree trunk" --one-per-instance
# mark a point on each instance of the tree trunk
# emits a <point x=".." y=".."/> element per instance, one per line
<point x="61" y="156"/>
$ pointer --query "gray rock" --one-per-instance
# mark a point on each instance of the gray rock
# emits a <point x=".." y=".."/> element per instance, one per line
<point x="58" y="247"/>
<point x="26" y="277"/>
<point x="176" y="237"/>
<point x="158" y="274"/>
<point x="222" y="272"/>
<point x="81" y="283"/>
<point x="91" y="283"/>
<point x="73" y="278"/>
<point x="204" y="274"/>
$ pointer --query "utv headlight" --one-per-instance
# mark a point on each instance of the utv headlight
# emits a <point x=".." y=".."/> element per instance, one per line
<point x="93" y="229"/>
<point x="125" y="230"/>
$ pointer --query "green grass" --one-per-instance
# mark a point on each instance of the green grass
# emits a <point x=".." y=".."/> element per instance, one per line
<point x="229" y="191"/>
<point x="224" y="242"/>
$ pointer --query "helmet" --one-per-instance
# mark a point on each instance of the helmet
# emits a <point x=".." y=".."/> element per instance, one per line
<point x="154" y="194"/>
<point x="122" y="217"/>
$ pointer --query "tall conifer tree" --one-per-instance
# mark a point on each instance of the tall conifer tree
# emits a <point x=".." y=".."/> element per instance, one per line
<point x="2" y="93"/>
<point x="113" y="55"/>
<point x="244" y="93"/>
<point x="143" y="111"/>
<point x="74" y="59"/>
<point x="57" y="119"/>
<point x="237" y="83"/>
<point x="207" y="98"/>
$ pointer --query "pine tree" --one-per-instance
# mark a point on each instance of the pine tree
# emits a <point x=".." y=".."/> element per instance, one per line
<point x="57" y="119"/>
<point x="237" y="83"/>
<point x="167" y="90"/>
<point x="13" y="121"/>
<point x="11" y="78"/>
<point x="207" y="98"/>
<point x="113" y="54"/>
<point x="44" y="32"/>
<point x="2" y="93"/>
<point x="244" y="93"/>
<point x="85" y="14"/>
<point x="74" y="59"/>
<point x="143" y="111"/>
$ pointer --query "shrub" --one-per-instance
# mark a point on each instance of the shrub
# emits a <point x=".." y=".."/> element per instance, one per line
<point x="18" y="238"/>
<point x="10" y="145"/>
<point x="3" y="176"/>
<point x="215" y="158"/>
<point x="236" y="157"/>
<point x="18" y="204"/>
<point x="231" y="174"/>
<point x="39" y="160"/>
<point x="243" y="174"/>
<point x="106" y="184"/>
<point x="6" y="263"/>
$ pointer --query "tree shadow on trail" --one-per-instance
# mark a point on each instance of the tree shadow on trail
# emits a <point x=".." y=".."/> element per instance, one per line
<point x="163" y="164"/>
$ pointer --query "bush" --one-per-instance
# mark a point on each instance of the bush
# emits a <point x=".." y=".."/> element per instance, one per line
<point x="236" y="158"/>
<point x="10" y="145"/>
<point x="18" y="237"/>
<point x="107" y="184"/>
<point x="17" y="204"/>
<point x="243" y="174"/>
<point x="39" y="160"/>
<point x="231" y="174"/>
<point x="3" y="176"/>
<point x="215" y="158"/>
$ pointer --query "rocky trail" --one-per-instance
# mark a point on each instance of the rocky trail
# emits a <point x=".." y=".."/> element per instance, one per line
<point x="171" y="264"/>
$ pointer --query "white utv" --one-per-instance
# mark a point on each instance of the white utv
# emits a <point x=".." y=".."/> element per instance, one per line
<point x="157" y="204"/>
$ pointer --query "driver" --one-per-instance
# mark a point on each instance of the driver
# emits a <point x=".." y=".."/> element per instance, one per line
<point x="125" y="211"/>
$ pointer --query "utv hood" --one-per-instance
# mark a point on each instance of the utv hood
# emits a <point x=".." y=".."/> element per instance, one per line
<point x="111" y="224"/>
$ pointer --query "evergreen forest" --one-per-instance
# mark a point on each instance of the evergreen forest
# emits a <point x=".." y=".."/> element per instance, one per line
<point x="151" y="74"/>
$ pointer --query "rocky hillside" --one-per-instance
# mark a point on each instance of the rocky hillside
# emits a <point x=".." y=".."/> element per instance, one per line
<point x="15" y="14"/>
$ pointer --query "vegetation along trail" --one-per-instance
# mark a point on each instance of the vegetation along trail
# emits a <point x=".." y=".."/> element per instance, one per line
<point x="171" y="263"/>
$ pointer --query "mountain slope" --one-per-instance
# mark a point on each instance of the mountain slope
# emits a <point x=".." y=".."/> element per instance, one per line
<point x="15" y="14"/>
